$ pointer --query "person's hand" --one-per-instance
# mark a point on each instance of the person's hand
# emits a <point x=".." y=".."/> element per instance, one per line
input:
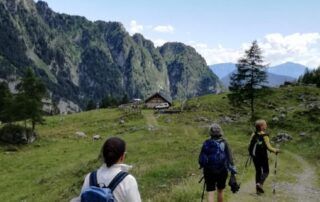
<point x="233" y="170"/>
<point x="278" y="151"/>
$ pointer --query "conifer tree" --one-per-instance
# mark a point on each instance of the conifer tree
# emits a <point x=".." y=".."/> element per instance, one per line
<point x="249" y="77"/>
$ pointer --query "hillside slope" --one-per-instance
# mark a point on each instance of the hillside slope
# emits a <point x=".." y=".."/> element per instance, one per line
<point x="163" y="150"/>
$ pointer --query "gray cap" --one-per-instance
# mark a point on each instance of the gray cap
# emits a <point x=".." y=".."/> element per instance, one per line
<point x="215" y="130"/>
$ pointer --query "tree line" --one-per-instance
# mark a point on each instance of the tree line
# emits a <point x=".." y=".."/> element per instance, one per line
<point x="108" y="101"/>
<point x="311" y="77"/>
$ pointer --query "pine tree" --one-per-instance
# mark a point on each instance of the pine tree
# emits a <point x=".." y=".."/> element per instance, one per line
<point x="125" y="99"/>
<point x="29" y="99"/>
<point x="249" y="77"/>
<point x="311" y="77"/>
<point x="6" y="101"/>
<point x="91" y="105"/>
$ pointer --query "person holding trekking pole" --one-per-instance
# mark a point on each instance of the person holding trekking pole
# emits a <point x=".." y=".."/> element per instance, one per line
<point x="216" y="159"/>
<point x="258" y="147"/>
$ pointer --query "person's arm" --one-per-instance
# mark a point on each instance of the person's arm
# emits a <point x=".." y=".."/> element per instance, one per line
<point x="231" y="166"/>
<point x="267" y="142"/>
<point x="132" y="192"/>
<point x="229" y="153"/>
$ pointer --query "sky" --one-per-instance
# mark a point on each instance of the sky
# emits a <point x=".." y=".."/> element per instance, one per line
<point x="220" y="30"/>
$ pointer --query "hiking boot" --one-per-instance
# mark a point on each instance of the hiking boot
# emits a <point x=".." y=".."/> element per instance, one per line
<point x="259" y="189"/>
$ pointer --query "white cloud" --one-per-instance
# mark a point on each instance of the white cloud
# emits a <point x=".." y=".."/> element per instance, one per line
<point x="216" y="55"/>
<point x="164" y="28"/>
<point x="277" y="49"/>
<point x="159" y="42"/>
<point x="135" y="27"/>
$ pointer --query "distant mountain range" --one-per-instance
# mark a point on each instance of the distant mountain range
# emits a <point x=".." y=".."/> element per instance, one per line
<point x="288" y="69"/>
<point x="277" y="75"/>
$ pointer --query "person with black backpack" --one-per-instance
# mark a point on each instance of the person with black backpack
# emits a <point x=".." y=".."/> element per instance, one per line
<point x="259" y="144"/>
<point x="111" y="182"/>
<point x="216" y="160"/>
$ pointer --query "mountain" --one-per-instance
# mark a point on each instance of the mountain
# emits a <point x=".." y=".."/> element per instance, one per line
<point x="288" y="69"/>
<point x="222" y="69"/>
<point x="188" y="72"/>
<point x="80" y="60"/>
<point x="273" y="80"/>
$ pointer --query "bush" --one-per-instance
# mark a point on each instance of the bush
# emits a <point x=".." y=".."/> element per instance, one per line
<point x="16" y="134"/>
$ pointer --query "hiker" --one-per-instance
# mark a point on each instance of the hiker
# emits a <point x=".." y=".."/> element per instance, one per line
<point x="126" y="187"/>
<point x="259" y="144"/>
<point x="216" y="159"/>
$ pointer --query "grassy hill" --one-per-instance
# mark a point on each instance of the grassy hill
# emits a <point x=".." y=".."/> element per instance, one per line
<point x="164" y="149"/>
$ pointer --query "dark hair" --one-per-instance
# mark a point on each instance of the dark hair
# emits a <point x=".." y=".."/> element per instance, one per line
<point x="112" y="150"/>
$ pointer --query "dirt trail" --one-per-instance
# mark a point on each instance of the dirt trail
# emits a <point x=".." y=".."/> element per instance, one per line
<point x="304" y="188"/>
<point x="301" y="187"/>
<point x="150" y="119"/>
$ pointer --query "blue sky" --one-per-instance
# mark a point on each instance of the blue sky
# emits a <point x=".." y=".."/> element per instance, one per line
<point x="218" y="29"/>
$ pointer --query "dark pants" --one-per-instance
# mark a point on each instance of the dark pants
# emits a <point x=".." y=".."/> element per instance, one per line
<point x="215" y="179"/>
<point x="262" y="169"/>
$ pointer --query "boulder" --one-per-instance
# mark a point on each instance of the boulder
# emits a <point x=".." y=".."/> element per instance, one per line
<point x="275" y="119"/>
<point x="282" y="137"/>
<point x="80" y="134"/>
<point x="303" y="134"/>
<point x="226" y="120"/>
<point x="282" y="116"/>
<point x="96" y="137"/>
<point x="202" y="119"/>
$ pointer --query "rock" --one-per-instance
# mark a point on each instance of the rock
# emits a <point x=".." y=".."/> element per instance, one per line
<point x="168" y="120"/>
<point x="151" y="128"/>
<point x="225" y="120"/>
<point x="282" y="116"/>
<point x="282" y="137"/>
<point x="202" y="119"/>
<point x="122" y="121"/>
<point x="275" y="119"/>
<point x="80" y="134"/>
<point x="271" y="106"/>
<point x="282" y="110"/>
<point x="303" y="134"/>
<point x="302" y="97"/>
<point x="96" y="137"/>
<point x="313" y="106"/>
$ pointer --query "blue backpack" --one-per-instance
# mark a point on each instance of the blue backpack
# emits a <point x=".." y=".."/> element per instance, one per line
<point x="213" y="155"/>
<point x="95" y="193"/>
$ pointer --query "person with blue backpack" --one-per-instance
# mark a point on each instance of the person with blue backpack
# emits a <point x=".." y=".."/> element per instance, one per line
<point x="216" y="160"/>
<point x="111" y="182"/>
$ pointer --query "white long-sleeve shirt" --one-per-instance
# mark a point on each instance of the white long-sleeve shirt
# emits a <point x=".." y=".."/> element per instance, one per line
<point x="126" y="191"/>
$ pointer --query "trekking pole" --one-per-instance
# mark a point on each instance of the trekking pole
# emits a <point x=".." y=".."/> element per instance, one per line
<point x="204" y="186"/>
<point x="247" y="163"/>
<point x="275" y="172"/>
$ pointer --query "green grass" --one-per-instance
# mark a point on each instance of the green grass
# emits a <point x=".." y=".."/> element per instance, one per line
<point x="164" y="158"/>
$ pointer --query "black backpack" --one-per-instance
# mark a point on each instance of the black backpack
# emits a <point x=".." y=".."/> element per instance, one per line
<point x="257" y="145"/>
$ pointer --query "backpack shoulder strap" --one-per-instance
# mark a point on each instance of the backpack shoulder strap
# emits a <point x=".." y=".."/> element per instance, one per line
<point x="93" y="180"/>
<point x="116" y="180"/>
